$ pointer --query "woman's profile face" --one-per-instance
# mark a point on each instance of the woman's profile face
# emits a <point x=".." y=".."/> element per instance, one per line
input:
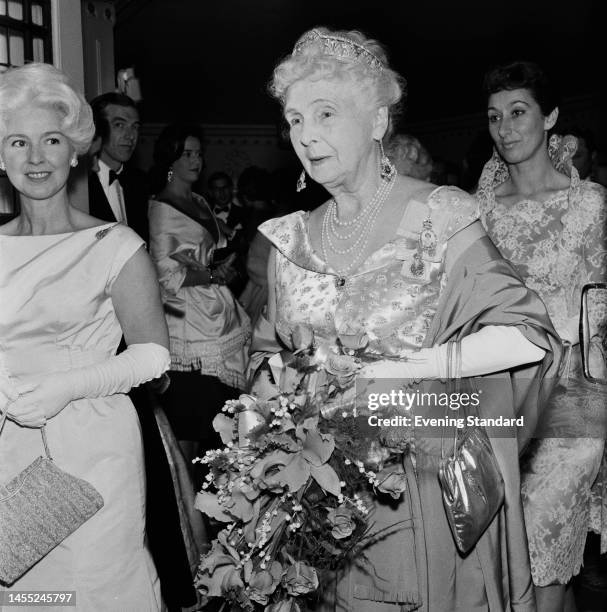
<point x="516" y="124"/>
<point x="187" y="168"/>
<point x="331" y="130"/>
<point x="36" y="152"/>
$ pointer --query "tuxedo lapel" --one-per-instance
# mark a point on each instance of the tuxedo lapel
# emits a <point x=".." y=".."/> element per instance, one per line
<point x="237" y="215"/>
<point x="98" y="203"/>
<point x="135" y="192"/>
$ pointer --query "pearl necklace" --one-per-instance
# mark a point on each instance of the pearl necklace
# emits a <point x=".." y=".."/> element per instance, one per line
<point x="357" y="222"/>
<point x="371" y="213"/>
<point x="358" y="219"/>
<point x="368" y="213"/>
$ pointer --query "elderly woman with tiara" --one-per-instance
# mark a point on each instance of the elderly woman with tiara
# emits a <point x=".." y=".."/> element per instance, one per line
<point x="410" y="266"/>
<point x="70" y="287"/>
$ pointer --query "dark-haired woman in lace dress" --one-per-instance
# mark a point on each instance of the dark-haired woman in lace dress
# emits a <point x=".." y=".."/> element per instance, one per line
<point x="551" y="226"/>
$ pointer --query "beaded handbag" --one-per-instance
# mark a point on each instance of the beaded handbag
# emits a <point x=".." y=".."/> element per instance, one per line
<point x="39" y="508"/>
<point x="470" y="479"/>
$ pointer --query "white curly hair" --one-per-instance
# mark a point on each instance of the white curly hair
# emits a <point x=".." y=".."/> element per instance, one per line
<point x="45" y="86"/>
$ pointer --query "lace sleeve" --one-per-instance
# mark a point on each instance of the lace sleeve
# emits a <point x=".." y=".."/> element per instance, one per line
<point x="593" y="205"/>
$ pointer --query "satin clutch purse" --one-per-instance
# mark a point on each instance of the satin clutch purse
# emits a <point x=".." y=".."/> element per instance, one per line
<point x="470" y="478"/>
<point x="39" y="508"/>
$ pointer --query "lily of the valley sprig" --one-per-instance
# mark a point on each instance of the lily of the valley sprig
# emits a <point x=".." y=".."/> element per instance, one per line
<point x="292" y="485"/>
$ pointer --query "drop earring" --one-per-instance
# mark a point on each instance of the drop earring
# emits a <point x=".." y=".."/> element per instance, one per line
<point x="387" y="169"/>
<point x="2" y="166"/>
<point x="170" y="175"/>
<point x="74" y="162"/>
<point x="301" y="181"/>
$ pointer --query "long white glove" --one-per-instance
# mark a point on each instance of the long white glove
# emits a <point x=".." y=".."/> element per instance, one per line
<point x="42" y="397"/>
<point x="8" y="392"/>
<point x="138" y="364"/>
<point x="492" y="349"/>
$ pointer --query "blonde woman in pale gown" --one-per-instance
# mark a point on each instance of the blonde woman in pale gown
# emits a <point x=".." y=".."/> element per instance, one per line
<point x="70" y="287"/>
<point x="551" y="226"/>
<point x="358" y="264"/>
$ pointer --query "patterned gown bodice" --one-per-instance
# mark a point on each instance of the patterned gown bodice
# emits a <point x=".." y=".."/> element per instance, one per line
<point x="557" y="246"/>
<point x="387" y="298"/>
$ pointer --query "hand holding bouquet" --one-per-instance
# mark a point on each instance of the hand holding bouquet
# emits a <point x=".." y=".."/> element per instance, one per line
<point x="289" y="484"/>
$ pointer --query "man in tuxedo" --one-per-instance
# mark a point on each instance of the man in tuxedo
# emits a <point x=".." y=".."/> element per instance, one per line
<point x="117" y="192"/>
<point x="221" y="197"/>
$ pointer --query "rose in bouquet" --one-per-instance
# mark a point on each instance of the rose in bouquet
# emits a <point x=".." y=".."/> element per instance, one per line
<point x="289" y="484"/>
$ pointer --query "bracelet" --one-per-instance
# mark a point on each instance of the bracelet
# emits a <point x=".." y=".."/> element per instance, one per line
<point x="210" y="271"/>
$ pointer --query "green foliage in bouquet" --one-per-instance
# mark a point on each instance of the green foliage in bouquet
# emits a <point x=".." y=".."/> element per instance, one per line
<point x="294" y="482"/>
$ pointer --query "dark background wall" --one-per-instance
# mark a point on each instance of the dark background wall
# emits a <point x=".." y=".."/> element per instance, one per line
<point x="211" y="60"/>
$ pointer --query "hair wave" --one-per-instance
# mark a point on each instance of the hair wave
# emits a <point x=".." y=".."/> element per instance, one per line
<point x="45" y="86"/>
<point x="168" y="148"/>
<point x="523" y="75"/>
<point x="385" y="87"/>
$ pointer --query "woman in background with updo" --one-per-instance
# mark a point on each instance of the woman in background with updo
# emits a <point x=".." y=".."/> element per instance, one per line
<point x="409" y="156"/>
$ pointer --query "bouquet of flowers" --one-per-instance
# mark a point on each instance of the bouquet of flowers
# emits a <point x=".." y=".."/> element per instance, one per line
<point x="294" y="482"/>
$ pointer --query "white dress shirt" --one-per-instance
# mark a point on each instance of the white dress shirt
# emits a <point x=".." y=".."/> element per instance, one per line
<point x="113" y="192"/>
<point x="223" y="214"/>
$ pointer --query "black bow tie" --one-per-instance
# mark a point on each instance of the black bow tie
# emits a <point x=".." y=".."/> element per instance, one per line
<point x="114" y="176"/>
<point x="222" y="209"/>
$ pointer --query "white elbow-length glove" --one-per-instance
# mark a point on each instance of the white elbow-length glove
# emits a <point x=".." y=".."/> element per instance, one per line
<point x="42" y="397"/>
<point x="138" y="364"/>
<point x="8" y="391"/>
<point x="492" y="349"/>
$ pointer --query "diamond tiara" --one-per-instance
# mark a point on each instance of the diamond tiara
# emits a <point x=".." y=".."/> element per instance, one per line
<point x="338" y="46"/>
